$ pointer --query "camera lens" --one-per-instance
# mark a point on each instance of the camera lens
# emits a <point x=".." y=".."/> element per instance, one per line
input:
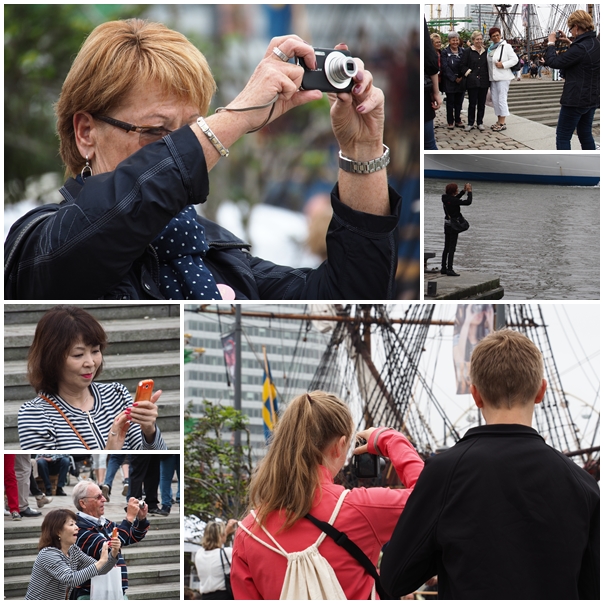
<point x="339" y="69"/>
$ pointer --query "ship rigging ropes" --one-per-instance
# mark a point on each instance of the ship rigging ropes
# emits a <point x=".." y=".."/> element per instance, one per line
<point x="373" y="365"/>
<point x="381" y="394"/>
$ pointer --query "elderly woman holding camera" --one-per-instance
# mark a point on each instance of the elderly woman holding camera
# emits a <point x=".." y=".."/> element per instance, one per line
<point x="581" y="93"/>
<point x="310" y="445"/>
<point x="71" y="410"/>
<point x="138" y="151"/>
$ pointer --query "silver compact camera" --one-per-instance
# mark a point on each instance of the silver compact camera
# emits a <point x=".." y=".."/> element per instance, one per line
<point x="334" y="72"/>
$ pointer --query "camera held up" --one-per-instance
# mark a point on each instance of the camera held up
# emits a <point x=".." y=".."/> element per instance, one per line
<point x="365" y="465"/>
<point x="334" y="72"/>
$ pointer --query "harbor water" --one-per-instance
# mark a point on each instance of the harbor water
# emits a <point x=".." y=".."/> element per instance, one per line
<point x="542" y="241"/>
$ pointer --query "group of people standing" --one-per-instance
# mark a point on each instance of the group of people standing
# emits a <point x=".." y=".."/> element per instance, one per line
<point x="475" y="68"/>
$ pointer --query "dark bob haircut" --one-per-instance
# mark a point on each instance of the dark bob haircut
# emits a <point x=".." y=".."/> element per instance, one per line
<point x="52" y="525"/>
<point x="57" y="331"/>
<point x="493" y="30"/>
<point x="451" y="189"/>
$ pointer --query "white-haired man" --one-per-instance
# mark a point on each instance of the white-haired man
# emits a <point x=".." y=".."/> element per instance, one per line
<point x="95" y="529"/>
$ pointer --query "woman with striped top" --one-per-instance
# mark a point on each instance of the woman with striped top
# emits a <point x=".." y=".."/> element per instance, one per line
<point x="72" y="411"/>
<point x="61" y="564"/>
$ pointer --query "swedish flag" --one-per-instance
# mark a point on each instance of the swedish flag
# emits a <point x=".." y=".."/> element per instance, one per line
<point x="270" y="409"/>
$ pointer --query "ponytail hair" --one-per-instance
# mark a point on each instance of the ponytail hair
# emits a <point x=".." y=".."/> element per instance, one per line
<point x="288" y="477"/>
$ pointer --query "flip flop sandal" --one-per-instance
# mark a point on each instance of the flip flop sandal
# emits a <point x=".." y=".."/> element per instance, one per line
<point x="498" y="127"/>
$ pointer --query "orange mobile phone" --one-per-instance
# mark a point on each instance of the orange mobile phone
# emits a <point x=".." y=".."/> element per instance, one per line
<point x="114" y="533"/>
<point x="144" y="390"/>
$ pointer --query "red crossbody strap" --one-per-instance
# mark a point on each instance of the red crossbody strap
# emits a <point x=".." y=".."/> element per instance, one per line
<point x="65" y="418"/>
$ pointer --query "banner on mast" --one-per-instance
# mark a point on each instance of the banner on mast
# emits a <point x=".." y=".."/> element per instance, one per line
<point x="472" y="323"/>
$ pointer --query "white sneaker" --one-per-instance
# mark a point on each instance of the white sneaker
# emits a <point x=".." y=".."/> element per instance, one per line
<point x="468" y="128"/>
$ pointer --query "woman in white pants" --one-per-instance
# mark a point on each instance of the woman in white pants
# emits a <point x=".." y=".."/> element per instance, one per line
<point x="501" y="58"/>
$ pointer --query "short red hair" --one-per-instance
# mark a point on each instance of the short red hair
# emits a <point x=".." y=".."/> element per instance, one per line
<point x="451" y="189"/>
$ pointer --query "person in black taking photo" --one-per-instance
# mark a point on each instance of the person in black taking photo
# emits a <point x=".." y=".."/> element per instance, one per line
<point x="452" y="200"/>
<point x="581" y="93"/>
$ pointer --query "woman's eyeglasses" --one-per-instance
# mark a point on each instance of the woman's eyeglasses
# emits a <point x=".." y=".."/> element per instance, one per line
<point x="147" y="134"/>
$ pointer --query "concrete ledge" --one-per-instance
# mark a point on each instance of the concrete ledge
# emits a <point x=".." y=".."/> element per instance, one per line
<point x="469" y="285"/>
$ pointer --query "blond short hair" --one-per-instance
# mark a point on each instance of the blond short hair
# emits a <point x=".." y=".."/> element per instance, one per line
<point x="475" y="34"/>
<point x="435" y="37"/>
<point x="213" y="534"/>
<point x="116" y="56"/>
<point x="582" y="19"/>
<point x="507" y="369"/>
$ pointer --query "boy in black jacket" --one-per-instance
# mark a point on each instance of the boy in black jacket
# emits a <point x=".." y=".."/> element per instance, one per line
<point x="501" y="515"/>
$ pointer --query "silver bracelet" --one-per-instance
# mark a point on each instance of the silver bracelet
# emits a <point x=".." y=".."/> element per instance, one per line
<point x="365" y="167"/>
<point x="224" y="152"/>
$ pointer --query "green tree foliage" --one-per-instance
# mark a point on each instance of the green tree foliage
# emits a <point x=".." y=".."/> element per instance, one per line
<point x="216" y="472"/>
<point x="40" y="42"/>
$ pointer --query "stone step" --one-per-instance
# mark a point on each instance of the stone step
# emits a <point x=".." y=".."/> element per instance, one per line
<point x="139" y="555"/>
<point x="164" y="591"/>
<point x="32" y="313"/>
<point x="29" y="545"/>
<point x="137" y="575"/>
<point x="128" y="369"/>
<point x="128" y="336"/>
<point x="172" y="440"/>
<point x="30" y="527"/>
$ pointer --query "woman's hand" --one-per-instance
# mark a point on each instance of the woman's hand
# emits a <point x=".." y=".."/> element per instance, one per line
<point x="231" y="526"/>
<point x="117" y="432"/>
<point x="104" y="556"/>
<point x="144" y="413"/>
<point x="499" y="64"/>
<point x="115" y="545"/>
<point x="357" y="118"/>
<point x="365" y="435"/>
<point x="276" y="77"/>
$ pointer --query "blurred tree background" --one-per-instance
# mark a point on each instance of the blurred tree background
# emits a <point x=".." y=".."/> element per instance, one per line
<point x="40" y="42"/>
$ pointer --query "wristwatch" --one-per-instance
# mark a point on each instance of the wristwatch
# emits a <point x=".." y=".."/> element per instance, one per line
<point x="365" y="167"/>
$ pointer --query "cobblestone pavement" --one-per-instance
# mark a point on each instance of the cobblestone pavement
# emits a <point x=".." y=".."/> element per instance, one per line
<point x="457" y="139"/>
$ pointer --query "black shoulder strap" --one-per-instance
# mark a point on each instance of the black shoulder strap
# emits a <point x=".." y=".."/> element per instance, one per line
<point x="353" y="549"/>
<point x="501" y="54"/>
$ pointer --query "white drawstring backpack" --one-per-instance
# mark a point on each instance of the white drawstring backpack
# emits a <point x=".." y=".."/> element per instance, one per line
<point x="309" y="576"/>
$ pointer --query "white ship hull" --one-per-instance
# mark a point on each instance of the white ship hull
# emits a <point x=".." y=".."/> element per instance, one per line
<point x="553" y="169"/>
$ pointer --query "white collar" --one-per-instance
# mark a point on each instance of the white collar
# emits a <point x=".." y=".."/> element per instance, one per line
<point x="100" y="521"/>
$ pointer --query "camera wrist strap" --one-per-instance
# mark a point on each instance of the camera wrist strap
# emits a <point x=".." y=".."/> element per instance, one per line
<point x="353" y="549"/>
<point x="270" y="104"/>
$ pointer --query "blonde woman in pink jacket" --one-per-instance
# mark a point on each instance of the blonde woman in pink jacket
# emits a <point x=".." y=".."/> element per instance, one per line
<point x="311" y="444"/>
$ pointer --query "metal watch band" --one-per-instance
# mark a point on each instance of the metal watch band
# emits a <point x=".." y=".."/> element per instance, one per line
<point x="224" y="152"/>
<point x="365" y="167"/>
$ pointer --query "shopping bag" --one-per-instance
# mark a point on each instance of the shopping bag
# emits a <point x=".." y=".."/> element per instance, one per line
<point x="107" y="587"/>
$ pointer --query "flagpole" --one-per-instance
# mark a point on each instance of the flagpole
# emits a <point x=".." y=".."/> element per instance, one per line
<point x="270" y="390"/>
<point x="237" y="380"/>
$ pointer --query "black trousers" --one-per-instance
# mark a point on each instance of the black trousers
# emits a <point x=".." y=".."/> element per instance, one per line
<point x="144" y="471"/>
<point x="450" y="246"/>
<point x="477" y="98"/>
<point x="454" y="104"/>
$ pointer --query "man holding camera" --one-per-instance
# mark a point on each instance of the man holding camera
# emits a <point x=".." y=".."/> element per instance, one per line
<point x="95" y="529"/>
<point x="501" y="515"/>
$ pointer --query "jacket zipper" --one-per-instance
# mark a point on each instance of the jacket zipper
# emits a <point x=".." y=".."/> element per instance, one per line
<point x="95" y="430"/>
